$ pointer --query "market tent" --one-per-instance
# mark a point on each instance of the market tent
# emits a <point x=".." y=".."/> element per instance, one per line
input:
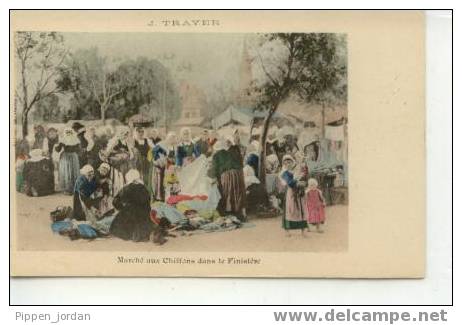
<point x="244" y="116"/>
<point x="232" y="115"/>
<point x="229" y="130"/>
<point x="336" y="130"/>
<point x="95" y="123"/>
<point x="141" y="120"/>
<point x="307" y="136"/>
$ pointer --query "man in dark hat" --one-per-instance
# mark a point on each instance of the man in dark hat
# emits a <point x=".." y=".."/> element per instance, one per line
<point x="39" y="137"/>
<point x="52" y="137"/>
<point x="80" y="130"/>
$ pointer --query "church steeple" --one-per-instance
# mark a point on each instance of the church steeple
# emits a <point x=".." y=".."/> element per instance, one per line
<point x="245" y="76"/>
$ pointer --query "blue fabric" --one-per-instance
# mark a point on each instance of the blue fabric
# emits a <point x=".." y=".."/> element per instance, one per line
<point x="165" y="210"/>
<point x="104" y="225"/>
<point x="253" y="161"/>
<point x="197" y="150"/>
<point x="182" y="153"/>
<point x="84" y="186"/>
<point x="288" y="177"/>
<point x="210" y="227"/>
<point x="157" y="151"/>
<point x="87" y="231"/>
<point x="58" y="226"/>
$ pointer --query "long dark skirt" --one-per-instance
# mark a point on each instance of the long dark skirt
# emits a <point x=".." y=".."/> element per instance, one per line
<point x="256" y="198"/>
<point x="69" y="170"/>
<point x="232" y="190"/>
<point x="81" y="212"/>
<point x="39" y="177"/>
<point x="132" y="222"/>
<point x="144" y="167"/>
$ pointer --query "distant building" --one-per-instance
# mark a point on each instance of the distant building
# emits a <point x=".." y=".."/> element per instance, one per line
<point x="193" y="103"/>
<point x="243" y="97"/>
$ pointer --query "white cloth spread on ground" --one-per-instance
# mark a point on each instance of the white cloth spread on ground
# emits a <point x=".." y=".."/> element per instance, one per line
<point x="335" y="133"/>
<point x="193" y="177"/>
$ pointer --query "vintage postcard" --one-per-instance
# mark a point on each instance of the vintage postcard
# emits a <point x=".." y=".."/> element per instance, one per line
<point x="215" y="144"/>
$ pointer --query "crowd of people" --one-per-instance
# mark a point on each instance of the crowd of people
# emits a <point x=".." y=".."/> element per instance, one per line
<point x="115" y="174"/>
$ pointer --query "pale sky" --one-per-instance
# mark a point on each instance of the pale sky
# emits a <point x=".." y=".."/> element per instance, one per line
<point x="214" y="57"/>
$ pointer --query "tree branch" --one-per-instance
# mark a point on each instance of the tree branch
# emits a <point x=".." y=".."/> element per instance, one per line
<point x="266" y="72"/>
<point x="95" y="92"/>
<point x="41" y="88"/>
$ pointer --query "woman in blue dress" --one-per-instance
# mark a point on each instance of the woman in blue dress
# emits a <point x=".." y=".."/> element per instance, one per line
<point x="68" y="148"/>
<point x="84" y="203"/>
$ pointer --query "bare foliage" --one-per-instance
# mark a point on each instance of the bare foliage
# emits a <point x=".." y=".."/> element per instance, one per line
<point x="40" y="57"/>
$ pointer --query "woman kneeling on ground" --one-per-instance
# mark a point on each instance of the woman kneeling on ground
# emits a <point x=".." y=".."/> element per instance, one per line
<point x="132" y="221"/>
<point x="84" y="201"/>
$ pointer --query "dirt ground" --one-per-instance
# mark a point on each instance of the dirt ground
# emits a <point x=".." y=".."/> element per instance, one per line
<point x="33" y="232"/>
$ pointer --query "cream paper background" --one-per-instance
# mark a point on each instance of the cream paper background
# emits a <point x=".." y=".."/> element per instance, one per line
<point x="386" y="146"/>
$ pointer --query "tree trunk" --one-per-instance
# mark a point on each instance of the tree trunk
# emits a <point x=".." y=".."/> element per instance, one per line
<point x="252" y="125"/>
<point x="262" y="162"/>
<point x="25" y="110"/>
<point x="323" y="121"/>
<point x="25" y="124"/>
<point x="103" y="115"/>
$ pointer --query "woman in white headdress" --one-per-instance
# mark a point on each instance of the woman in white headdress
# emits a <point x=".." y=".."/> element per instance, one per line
<point x="119" y="153"/>
<point x="226" y="168"/>
<point x="142" y="147"/>
<point x="294" y="209"/>
<point x="68" y="149"/>
<point x="186" y="149"/>
<point x="235" y="146"/>
<point x="84" y="204"/>
<point x="132" y="221"/>
<point x="154" y="136"/>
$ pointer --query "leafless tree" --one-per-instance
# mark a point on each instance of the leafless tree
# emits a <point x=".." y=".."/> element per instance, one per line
<point x="40" y="57"/>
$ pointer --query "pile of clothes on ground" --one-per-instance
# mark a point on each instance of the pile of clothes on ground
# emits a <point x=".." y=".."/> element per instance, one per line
<point x="182" y="214"/>
<point x="65" y="225"/>
<point x="194" y="214"/>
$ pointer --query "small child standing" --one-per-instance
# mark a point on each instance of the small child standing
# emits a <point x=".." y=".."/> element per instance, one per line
<point x="172" y="183"/>
<point x="315" y="204"/>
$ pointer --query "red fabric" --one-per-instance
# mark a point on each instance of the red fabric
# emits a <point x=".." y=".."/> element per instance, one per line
<point x="315" y="207"/>
<point x="153" y="216"/>
<point x="212" y="141"/>
<point x="174" y="199"/>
